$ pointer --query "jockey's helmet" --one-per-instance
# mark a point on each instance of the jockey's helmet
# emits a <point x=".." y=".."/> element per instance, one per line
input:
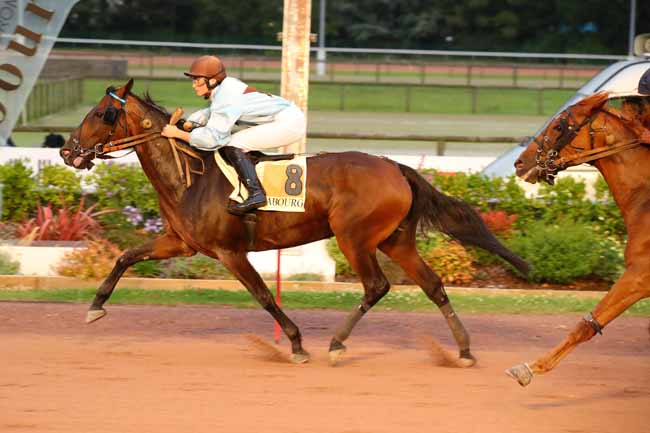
<point x="208" y="67"/>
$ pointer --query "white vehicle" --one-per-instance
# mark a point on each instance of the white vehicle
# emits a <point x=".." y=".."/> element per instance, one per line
<point x="620" y="79"/>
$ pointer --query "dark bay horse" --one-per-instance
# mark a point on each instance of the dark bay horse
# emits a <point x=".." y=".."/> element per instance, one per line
<point x="590" y="131"/>
<point x="367" y="202"/>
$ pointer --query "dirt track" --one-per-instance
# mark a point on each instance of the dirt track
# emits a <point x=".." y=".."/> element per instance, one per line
<point x="193" y="369"/>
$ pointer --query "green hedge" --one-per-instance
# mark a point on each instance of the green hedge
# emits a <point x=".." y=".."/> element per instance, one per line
<point x="565" y="235"/>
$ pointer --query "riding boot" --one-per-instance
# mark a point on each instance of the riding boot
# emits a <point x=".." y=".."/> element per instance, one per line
<point x="246" y="171"/>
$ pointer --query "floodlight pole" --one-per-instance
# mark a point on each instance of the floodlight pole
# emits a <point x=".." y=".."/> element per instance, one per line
<point x="295" y="58"/>
<point x="630" y="42"/>
<point x="296" y="27"/>
<point x="321" y="54"/>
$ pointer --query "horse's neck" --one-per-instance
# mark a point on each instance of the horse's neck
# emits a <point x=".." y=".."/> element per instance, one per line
<point x="159" y="166"/>
<point x="627" y="176"/>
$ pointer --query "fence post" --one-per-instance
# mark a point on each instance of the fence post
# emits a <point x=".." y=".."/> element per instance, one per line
<point x="469" y="75"/>
<point x="440" y="148"/>
<point x="423" y="73"/>
<point x="562" y="68"/>
<point x="377" y="71"/>
<point x="514" y="76"/>
<point x="474" y="91"/>
<point x="407" y="102"/>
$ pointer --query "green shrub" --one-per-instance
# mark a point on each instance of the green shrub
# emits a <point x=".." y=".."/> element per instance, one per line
<point x="124" y="186"/>
<point x="342" y="265"/>
<point x="567" y="251"/>
<point x="58" y="185"/>
<point x="7" y="265"/>
<point x="195" y="267"/>
<point x="19" y="195"/>
<point x="452" y="263"/>
<point x="148" y="269"/>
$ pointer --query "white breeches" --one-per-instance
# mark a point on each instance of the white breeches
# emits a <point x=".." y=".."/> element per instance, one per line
<point x="288" y="126"/>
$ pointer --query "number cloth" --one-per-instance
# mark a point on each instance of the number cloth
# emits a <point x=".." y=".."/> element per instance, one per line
<point x="284" y="182"/>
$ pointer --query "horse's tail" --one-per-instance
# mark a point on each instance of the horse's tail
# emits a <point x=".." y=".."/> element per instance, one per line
<point x="455" y="218"/>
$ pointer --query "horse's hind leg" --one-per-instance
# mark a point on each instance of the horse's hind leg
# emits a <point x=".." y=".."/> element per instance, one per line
<point x="630" y="288"/>
<point x="375" y="285"/>
<point x="164" y="247"/>
<point x="400" y="247"/>
<point x="238" y="264"/>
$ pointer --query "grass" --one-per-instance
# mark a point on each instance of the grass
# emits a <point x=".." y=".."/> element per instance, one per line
<point x="498" y="303"/>
<point x="366" y="97"/>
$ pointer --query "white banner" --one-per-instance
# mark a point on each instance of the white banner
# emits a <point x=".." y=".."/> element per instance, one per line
<point x="28" y="30"/>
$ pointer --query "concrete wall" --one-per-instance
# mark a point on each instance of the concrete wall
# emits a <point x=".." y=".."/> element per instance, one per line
<point x="311" y="258"/>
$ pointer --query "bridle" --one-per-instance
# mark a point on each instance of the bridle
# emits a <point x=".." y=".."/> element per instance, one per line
<point x="549" y="161"/>
<point x="111" y="116"/>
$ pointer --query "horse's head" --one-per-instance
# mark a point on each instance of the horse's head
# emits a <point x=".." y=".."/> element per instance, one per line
<point x="107" y="121"/>
<point x="546" y="153"/>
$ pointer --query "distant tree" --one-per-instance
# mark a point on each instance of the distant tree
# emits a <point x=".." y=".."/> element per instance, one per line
<point x="596" y="26"/>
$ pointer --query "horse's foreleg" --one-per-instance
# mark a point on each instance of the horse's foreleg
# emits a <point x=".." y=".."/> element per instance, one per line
<point x="629" y="289"/>
<point x="401" y="249"/>
<point x="238" y="264"/>
<point x="164" y="247"/>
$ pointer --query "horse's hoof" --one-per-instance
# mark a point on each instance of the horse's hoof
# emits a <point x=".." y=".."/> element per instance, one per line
<point x="466" y="361"/>
<point x="299" y="358"/>
<point x="94" y="315"/>
<point x="521" y="373"/>
<point x="336" y="354"/>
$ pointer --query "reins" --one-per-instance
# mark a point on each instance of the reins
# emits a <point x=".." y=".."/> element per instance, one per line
<point x="551" y="165"/>
<point x="182" y="159"/>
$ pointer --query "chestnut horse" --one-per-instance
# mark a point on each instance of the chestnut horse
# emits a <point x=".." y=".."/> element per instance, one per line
<point x="590" y="131"/>
<point x="365" y="201"/>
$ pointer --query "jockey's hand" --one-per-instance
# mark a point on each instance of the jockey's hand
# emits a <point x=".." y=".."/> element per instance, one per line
<point x="645" y="137"/>
<point x="170" y="131"/>
<point x="188" y="126"/>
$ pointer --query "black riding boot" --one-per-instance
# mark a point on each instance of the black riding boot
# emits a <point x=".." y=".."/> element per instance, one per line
<point x="247" y="175"/>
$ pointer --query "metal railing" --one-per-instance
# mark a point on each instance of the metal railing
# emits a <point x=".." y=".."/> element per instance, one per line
<point x="439" y="141"/>
<point x="156" y="58"/>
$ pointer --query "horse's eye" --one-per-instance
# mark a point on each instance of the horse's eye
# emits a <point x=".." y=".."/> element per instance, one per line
<point x="99" y="113"/>
<point x="558" y="128"/>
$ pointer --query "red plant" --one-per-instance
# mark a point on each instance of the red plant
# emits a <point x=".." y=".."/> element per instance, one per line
<point x="64" y="225"/>
<point x="499" y="222"/>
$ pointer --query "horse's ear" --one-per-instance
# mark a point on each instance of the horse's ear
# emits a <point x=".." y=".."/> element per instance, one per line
<point x="594" y="101"/>
<point x="127" y="87"/>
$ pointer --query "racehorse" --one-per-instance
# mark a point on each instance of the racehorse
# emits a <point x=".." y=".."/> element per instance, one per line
<point x="367" y="202"/>
<point x="591" y="131"/>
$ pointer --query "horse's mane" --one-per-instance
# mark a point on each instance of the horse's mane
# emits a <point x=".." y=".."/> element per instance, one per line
<point x="147" y="100"/>
<point x="633" y="114"/>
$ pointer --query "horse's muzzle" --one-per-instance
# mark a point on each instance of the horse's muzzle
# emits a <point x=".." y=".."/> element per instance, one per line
<point x="74" y="159"/>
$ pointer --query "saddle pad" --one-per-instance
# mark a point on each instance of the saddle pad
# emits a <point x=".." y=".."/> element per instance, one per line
<point x="284" y="183"/>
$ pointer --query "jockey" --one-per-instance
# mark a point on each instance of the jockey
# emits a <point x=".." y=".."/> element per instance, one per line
<point x="269" y="121"/>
